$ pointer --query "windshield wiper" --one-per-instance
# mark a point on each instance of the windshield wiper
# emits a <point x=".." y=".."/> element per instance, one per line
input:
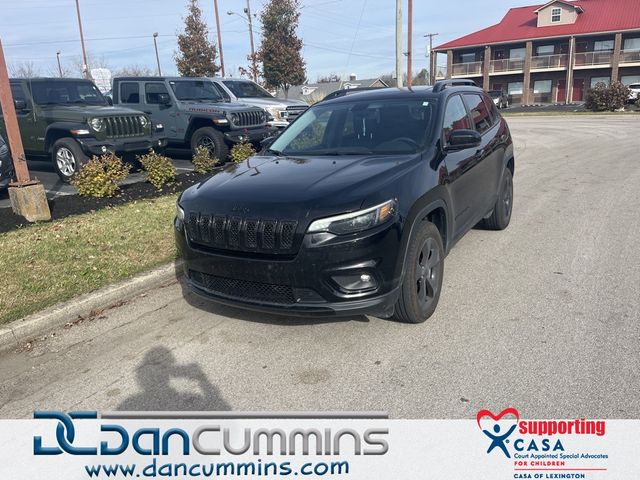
<point x="339" y="152"/>
<point x="277" y="153"/>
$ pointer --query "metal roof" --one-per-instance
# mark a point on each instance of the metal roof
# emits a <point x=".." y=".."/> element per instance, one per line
<point x="521" y="23"/>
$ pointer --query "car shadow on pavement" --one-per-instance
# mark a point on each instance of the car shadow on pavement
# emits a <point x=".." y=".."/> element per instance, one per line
<point x="160" y="378"/>
<point x="212" y="307"/>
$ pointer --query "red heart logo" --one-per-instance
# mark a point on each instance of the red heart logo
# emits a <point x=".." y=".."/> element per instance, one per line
<point x="486" y="413"/>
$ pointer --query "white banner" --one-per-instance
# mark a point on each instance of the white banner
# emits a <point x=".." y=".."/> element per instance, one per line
<point x="76" y="446"/>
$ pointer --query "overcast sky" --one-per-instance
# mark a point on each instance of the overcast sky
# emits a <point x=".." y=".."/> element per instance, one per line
<point x="340" y="36"/>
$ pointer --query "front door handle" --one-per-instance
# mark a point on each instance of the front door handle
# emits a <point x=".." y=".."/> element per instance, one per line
<point x="480" y="153"/>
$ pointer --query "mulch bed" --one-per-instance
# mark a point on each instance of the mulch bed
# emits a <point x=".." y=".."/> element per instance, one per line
<point x="66" y="205"/>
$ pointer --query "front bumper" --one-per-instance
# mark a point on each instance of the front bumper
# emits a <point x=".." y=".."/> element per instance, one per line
<point x="302" y="284"/>
<point x="121" y="146"/>
<point x="253" y="135"/>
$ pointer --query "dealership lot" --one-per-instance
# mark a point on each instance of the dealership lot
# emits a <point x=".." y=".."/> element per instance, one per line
<point x="542" y="317"/>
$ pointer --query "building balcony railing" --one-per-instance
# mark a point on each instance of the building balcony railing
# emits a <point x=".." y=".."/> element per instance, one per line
<point x="465" y="69"/>
<point x="585" y="59"/>
<point x="630" y="56"/>
<point x="549" y="62"/>
<point x="507" y="65"/>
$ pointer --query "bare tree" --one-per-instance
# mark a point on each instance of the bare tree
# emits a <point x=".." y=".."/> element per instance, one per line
<point x="332" y="77"/>
<point x="74" y="68"/>
<point x="26" y="69"/>
<point x="134" y="71"/>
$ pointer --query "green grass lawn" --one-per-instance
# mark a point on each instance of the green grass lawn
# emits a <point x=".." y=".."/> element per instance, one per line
<point x="52" y="262"/>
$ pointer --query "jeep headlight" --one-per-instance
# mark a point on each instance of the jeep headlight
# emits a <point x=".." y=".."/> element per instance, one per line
<point x="97" y="124"/>
<point x="355" y="221"/>
<point x="179" y="212"/>
<point x="234" y="118"/>
<point x="144" y="121"/>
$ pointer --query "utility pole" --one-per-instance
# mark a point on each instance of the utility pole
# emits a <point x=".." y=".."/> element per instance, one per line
<point x="432" y="63"/>
<point x="28" y="198"/>
<point x="399" y="43"/>
<point x="410" y="44"/>
<point x="155" y="44"/>
<point x="85" y="64"/>
<point x="253" y="53"/>
<point x="59" y="65"/>
<point x="215" y="6"/>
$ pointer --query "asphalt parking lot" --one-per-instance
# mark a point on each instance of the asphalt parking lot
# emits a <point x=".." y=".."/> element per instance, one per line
<point x="542" y="317"/>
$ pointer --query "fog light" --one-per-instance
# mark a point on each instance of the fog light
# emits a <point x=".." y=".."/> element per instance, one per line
<point x="104" y="149"/>
<point x="356" y="283"/>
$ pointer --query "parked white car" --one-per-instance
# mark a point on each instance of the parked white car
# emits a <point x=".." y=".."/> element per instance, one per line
<point x="250" y="93"/>
<point x="635" y="92"/>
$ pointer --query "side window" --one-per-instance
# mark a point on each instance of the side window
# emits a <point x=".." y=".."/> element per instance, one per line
<point x="129" y="92"/>
<point x="479" y="112"/>
<point x="152" y="92"/>
<point x="493" y="110"/>
<point x="455" y="117"/>
<point x="18" y="92"/>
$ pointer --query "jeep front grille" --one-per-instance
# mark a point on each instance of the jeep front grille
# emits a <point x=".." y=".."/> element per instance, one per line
<point x="124" y="126"/>
<point x="240" y="234"/>
<point x="249" y="119"/>
<point x="244" y="289"/>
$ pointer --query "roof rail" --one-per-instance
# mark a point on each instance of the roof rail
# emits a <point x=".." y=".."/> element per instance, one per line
<point x="442" y="84"/>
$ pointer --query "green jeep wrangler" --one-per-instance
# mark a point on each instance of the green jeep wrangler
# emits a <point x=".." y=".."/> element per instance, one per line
<point x="69" y="120"/>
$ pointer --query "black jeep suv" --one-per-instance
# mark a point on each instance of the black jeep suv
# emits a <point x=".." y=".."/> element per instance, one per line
<point x="353" y="208"/>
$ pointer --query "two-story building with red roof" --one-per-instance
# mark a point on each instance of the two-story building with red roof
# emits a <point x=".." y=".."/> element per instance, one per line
<point x="550" y="53"/>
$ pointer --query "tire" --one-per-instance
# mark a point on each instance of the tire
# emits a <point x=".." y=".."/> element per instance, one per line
<point x="212" y="139"/>
<point x="68" y="158"/>
<point x="501" y="215"/>
<point x="422" y="283"/>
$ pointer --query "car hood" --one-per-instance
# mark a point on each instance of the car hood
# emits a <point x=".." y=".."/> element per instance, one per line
<point x="83" y="111"/>
<point x="219" y="107"/>
<point x="272" y="102"/>
<point x="295" y="187"/>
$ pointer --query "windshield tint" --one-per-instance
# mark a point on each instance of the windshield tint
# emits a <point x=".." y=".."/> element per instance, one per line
<point x="359" y="128"/>
<point x="71" y="92"/>
<point x="243" y="89"/>
<point x="196" y="90"/>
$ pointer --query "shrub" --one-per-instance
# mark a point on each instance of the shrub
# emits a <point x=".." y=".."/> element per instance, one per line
<point x="605" y="97"/>
<point x="99" y="177"/>
<point x="203" y="161"/>
<point x="241" y="151"/>
<point x="160" y="169"/>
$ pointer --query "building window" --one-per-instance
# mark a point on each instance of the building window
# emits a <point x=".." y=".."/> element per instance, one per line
<point x="545" y="50"/>
<point x="517" y="53"/>
<point x="515" y="90"/>
<point x="468" y="57"/>
<point x="603" y="46"/>
<point x="556" y="15"/>
<point x="629" y="79"/>
<point x="632" y="45"/>
<point x="597" y="80"/>
<point x="542" y="91"/>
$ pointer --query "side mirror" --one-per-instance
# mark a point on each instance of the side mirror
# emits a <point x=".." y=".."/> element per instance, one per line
<point x="20" y="105"/>
<point x="164" y="99"/>
<point x="463" y="139"/>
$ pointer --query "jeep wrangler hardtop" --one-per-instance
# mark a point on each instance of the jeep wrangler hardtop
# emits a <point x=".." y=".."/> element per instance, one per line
<point x="193" y="112"/>
<point x="69" y="120"/>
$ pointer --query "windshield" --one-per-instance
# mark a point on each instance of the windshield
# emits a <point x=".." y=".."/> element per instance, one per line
<point x="359" y="128"/>
<point x="69" y="92"/>
<point x="244" y="88"/>
<point x="195" y="90"/>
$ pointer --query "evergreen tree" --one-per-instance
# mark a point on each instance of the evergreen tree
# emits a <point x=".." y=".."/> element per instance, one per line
<point x="196" y="56"/>
<point x="282" y="63"/>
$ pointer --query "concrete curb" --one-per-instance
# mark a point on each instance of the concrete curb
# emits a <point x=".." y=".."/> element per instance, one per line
<point x="38" y="324"/>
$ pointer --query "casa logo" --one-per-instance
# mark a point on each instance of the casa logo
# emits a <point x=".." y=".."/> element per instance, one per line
<point x="508" y="434"/>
